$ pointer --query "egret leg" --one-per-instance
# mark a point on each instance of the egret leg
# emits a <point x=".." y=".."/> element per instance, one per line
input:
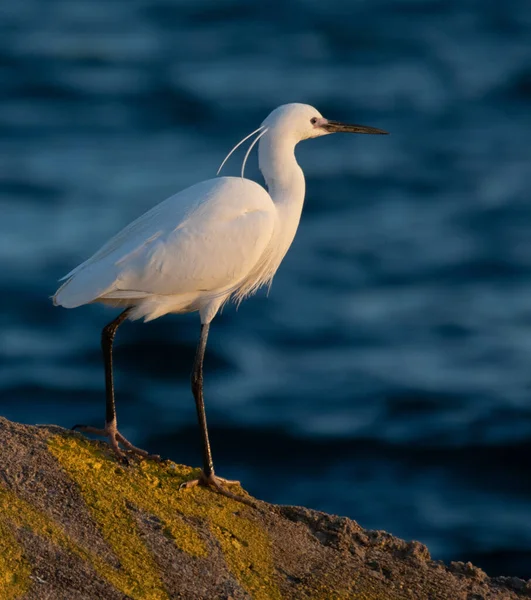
<point x="111" y="429"/>
<point x="208" y="477"/>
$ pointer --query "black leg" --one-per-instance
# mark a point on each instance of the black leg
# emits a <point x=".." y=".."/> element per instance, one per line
<point x="197" y="390"/>
<point x="107" y="339"/>
<point x="207" y="476"/>
<point x="111" y="429"/>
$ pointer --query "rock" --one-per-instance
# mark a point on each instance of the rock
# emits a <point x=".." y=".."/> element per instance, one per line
<point x="76" y="524"/>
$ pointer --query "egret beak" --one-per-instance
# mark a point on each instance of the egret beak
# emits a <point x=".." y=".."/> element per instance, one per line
<point x="337" y="127"/>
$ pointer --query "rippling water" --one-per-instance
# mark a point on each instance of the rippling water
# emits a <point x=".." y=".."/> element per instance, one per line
<point x="387" y="375"/>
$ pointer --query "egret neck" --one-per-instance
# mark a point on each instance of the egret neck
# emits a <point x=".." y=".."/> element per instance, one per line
<point x="285" y="183"/>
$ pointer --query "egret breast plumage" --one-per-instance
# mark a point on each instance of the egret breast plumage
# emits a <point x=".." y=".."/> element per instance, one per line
<point x="219" y="239"/>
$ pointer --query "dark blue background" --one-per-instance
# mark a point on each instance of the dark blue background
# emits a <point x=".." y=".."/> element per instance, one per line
<point x="387" y="377"/>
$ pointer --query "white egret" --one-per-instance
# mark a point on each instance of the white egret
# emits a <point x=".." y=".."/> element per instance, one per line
<point x="219" y="239"/>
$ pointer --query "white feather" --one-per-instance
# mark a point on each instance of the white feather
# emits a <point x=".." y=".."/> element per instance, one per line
<point x="237" y="146"/>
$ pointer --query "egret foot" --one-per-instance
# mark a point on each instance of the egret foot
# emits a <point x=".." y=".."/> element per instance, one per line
<point x="215" y="482"/>
<point x="110" y="431"/>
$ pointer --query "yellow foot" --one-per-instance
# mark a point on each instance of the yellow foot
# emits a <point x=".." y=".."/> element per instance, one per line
<point x="216" y="482"/>
<point x="115" y="438"/>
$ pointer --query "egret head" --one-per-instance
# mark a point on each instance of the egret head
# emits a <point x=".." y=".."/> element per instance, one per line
<point x="294" y="123"/>
<point x="303" y="122"/>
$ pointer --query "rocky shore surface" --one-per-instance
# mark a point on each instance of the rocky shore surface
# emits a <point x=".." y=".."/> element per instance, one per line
<point x="74" y="523"/>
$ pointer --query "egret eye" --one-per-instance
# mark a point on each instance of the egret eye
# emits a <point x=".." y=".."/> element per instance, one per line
<point x="313" y="121"/>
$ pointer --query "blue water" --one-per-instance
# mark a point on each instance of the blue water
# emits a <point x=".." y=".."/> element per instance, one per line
<point x="387" y="377"/>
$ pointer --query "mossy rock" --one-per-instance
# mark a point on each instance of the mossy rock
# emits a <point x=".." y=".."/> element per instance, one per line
<point x="76" y="524"/>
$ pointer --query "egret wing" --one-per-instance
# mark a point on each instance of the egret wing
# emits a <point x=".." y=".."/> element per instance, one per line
<point x="205" y="239"/>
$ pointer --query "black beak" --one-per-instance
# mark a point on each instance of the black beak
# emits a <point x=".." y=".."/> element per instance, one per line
<point x="337" y="127"/>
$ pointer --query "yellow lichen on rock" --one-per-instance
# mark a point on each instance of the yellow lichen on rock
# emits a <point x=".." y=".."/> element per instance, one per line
<point x="14" y="568"/>
<point x="110" y="491"/>
<point x="246" y="548"/>
<point x="20" y="513"/>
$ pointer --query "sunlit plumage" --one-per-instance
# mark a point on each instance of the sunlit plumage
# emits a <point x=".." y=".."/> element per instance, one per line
<point x="187" y="253"/>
